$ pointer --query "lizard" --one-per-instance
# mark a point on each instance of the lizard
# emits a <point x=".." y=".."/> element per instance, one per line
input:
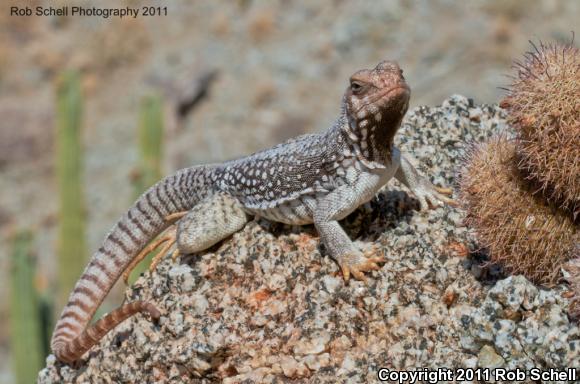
<point x="316" y="178"/>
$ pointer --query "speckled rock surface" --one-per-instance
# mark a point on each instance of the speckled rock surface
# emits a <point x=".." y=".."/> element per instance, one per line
<point x="268" y="305"/>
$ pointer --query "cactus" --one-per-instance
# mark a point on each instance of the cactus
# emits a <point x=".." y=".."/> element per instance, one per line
<point x="520" y="229"/>
<point x="543" y="103"/>
<point x="150" y="150"/>
<point x="573" y="269"/>
<point x="71" y="241"/>
<point x="46" y="310"/>
<point x="150" y="144"/>
<point x="25" y="321"/>
<point x="522" y="196"/>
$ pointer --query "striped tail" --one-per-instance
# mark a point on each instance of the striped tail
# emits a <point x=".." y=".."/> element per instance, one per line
<point x="144" y="220"/>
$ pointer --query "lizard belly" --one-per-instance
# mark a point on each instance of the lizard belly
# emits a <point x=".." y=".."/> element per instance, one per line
<point x="360" y="186"/>
<point x="357" y="185"/>
<point x="295" y="212"/>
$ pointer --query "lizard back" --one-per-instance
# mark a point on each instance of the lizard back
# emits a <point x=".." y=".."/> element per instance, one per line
<point x="305" y="165"/>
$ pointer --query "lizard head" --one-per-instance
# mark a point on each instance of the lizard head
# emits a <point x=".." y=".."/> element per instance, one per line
<point x="376" y="101"/>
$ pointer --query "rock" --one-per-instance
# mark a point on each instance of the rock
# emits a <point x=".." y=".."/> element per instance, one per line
<point x="276" y="282"/>
<point x="348" y="365"/>
<point x="181" y="278"/>
<point x="332" y="283"/>
<point x="515" y="292"/>
<point x="292" y="368"/>
<point x="475" y="114"/>
<point x="488" y="358"/>
<point x="316" y="345"/>
<point x="316" y="362"/>
<point x="268" y="305"/>
<point x="542" y="334"/>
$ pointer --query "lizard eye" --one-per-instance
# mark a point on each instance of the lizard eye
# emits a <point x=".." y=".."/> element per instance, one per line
<point x="356" y="86"/>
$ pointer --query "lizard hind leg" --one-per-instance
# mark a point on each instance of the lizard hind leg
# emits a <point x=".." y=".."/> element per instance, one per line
<point x="210" y="221"/>
<point x="167" y="239"/>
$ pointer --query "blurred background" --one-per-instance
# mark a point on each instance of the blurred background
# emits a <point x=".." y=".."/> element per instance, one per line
<point x="93" y="110"/>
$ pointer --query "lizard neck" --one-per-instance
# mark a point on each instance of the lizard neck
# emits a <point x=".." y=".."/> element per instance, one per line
<point x="371" y="139"/>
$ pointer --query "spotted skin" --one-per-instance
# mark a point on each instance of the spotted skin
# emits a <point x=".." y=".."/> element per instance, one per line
<point x="317" y="178"/>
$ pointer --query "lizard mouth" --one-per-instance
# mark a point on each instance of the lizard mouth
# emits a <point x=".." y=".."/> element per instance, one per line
<point x="396" y="92"/>
<point x="400" y="89"/>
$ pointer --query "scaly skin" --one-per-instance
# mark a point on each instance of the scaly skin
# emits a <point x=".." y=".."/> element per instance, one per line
<point x="318" y="178"/>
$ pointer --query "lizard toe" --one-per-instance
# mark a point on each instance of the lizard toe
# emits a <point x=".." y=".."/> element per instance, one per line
<point x="371" y="255"/>
<point x="449" y="201"/>
<point x="345" y="273"/>
<point x="175" y="255"/>
<point x="444" y="191"/>
<point x="357" y="264"/>
<point x="360" y="276"/>
<point x="433" y="196"/>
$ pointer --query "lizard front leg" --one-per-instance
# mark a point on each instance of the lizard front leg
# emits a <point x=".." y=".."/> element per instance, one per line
<point x="351" y="260"/>
<point x="421" y="187"/>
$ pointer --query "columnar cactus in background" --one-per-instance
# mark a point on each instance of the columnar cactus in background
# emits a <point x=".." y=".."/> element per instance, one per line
<point x="69" y="167"/>
<point x="25" y="321"/>
<point x="150" y="151"/>
<point x="150" y="143"/>
<point x="522" y="195"/>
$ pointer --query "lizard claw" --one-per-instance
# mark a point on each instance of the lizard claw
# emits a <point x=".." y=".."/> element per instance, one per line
<point x="433" y="196"/>
<point x="442" y="194"/>
<point x="443" y="191"/>
<point x="345" y="272"/>
<point x="356" y="264"/>
<point x="175" y="255"/>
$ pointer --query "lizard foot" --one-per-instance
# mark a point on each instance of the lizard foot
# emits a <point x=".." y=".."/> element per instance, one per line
<point x="167" y="239"/>
<point x="356" y="263"/>
<point x="171" y="237"/>
<point x="432" y="196"/>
